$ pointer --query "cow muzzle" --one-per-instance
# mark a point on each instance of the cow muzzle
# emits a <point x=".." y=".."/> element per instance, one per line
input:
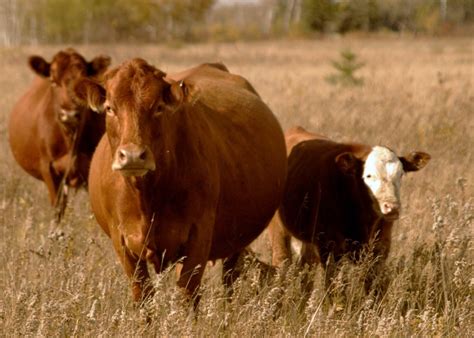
<point x="69" y="117"/>
<point x="390" y="210"/>
<point x="132" y="160"/>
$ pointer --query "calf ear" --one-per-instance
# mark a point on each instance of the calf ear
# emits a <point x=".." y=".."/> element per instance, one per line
<point x="90" y="93"/>
<point x="347" y="163"/>
<point x="98" y="65"/>
<point x="39" y="65"/>
<point x="415" y="161"/>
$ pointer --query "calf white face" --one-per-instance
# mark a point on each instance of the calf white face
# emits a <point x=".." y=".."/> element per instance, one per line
<point x="383" y="175"/>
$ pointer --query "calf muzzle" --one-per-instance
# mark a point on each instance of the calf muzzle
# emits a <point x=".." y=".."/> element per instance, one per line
<point x="390" y="210"/>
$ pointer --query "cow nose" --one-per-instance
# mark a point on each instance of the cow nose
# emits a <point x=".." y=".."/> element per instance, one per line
<point x="131" y="156"/>
<point x="133" y="160"/>
<point x="391" y="210"/>
<point x="69" y="115"/>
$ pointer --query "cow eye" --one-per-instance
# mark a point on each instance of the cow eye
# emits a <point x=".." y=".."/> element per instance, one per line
<point x="368" y="176"/>
<point x="109" y="111"/>
<point x="159" y="111"/>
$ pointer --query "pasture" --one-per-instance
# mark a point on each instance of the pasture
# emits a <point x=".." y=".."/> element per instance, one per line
<point x="418" y="94"/>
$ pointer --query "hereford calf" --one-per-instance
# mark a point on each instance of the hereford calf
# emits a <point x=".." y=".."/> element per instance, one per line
<point x="192" y="167"/>
<point x="338" y="198"/>
<point x="52" y="136"/>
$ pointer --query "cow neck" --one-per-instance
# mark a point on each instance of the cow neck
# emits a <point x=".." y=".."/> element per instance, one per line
<point x="92" y="131"/>
<point x="71" y="136"/>
<point x="142" y="193"/>
<point x="358" y="217"/>
<point x="69" y="133"/>
<point x="178" y="152"/>
<point x="139" y="221"/>
<point x="368" y="219"/>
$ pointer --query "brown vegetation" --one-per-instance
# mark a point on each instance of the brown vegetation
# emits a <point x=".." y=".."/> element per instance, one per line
<point x="417" y="94"/>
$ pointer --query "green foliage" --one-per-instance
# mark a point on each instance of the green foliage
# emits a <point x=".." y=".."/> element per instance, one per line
<point x="318" y="14"/>
<point x="111" y="21"/>
<point x="90" y="21"/>
<point x="346" y="68"/>
<point x="370" y="15"/>
<point x="358" y="15"/>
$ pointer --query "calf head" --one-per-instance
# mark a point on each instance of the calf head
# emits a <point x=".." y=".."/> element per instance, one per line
<point x="381" y="170"/>
<point x="63" y="71"/>
<point x="138" y="101"/>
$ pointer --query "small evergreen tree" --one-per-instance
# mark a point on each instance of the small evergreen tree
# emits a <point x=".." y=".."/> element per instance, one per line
<point x="346" y="68"/>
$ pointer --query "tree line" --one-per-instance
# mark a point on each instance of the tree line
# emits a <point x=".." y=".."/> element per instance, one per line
<point x="117" y="21"/>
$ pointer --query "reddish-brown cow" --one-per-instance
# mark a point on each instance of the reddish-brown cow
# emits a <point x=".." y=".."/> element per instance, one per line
<point x="191" y="169"/>
<point x="338" y="198"/>
<point x="52" y="136"/>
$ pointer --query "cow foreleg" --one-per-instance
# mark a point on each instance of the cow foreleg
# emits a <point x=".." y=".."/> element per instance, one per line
<point x="334" y="286"/>
<point x="196" y="257"/>
<point x="67" y="166"/>
<point x="309" y="259"/>
<point x="230" y="272"/>
<point x="136" y="270"/>
<point x="377" y="277"/>
<point x="51" y="180"/>
<point x="280" y="242"/>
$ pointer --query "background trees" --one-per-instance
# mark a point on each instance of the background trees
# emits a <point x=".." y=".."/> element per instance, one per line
<point x="111" y="21"/>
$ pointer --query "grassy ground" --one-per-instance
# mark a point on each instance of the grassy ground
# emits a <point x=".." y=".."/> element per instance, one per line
<point x="418" y="94"/>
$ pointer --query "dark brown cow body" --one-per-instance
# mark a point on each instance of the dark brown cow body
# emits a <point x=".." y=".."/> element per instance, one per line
<point x="194" y="169"/>
<point x="51" y="136"/>
<point x="328" y="203"/>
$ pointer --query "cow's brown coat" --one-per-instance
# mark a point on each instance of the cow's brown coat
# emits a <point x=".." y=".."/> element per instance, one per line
<point x="52" y="136"/>
<point x="199" y="166"/>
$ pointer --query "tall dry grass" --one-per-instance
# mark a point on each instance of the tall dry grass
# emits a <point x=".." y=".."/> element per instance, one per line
<point x="417" y="95"/>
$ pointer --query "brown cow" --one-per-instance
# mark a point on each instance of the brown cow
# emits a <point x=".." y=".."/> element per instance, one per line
<point x="338" y="198"/>
<point x="191" y="169"/>
<point x="52" y="136"/>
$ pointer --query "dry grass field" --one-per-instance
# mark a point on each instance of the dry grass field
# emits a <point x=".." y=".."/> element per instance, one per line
<point x="418" y="94"/>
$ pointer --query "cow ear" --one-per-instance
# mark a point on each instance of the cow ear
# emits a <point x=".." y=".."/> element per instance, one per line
<point x="39" y="65"/>
<point x="415" y="161"/>
<point x="98" y="65"/>
<point x="174" y="94"/>
<point x="347" y="163"/>
<point x="90" y="93"/>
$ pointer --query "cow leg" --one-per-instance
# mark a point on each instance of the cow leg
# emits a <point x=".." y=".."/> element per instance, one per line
<point x="331" y="270"/>
<point x="59" y="169"/>
<point x="51" y="180"/>
<point x="309" y="255"/>
<point x="230" y="273"/>
<point x="61" y="201"/>
<point x="196" y="257"/>
<point x="136" y="270"/>
<point x="377" y="272"/>
<point x="308" y="258"/>
<point x="67" y="165"/>
<point x="76" y="168"/>
<point x="281" y="243"/>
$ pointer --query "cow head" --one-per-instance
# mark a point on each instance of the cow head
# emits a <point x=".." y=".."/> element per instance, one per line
<point x="63" y="71"/>
<point x="138" y="101"/>
<point x="381" y="171"/>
